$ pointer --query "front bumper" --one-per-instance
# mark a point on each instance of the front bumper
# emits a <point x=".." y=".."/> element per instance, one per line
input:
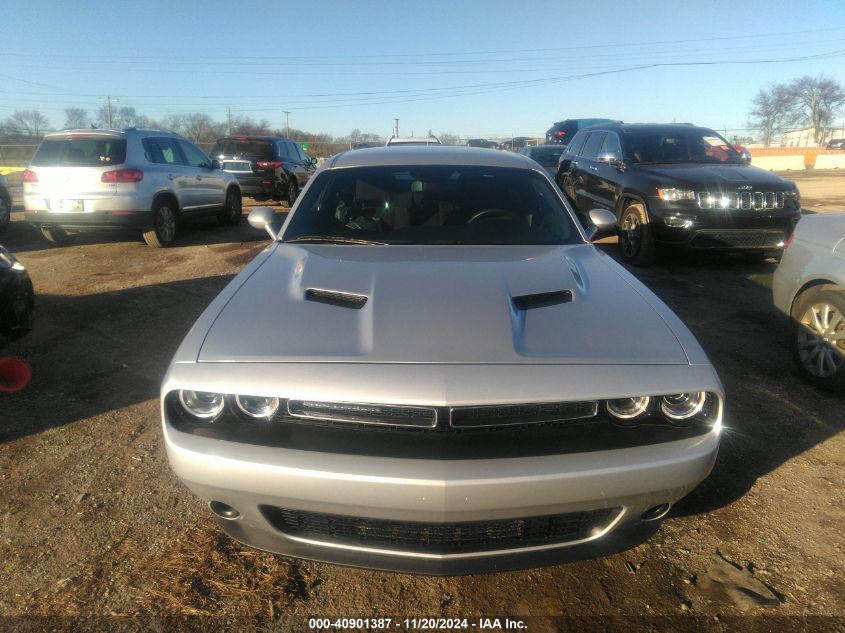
<point x="685" y="224"/>
<point x="249" y="478"/>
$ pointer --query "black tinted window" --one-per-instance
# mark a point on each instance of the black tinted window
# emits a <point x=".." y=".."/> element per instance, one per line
<point x="593" y="145"/>
<point x="80" y="151"/>
<point x="611" y="144"/>
<point x="577" y="143"/>
<point x="433" y="205"/>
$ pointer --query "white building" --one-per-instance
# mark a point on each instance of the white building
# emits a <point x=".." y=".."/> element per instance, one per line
<point x="804" y="137"/>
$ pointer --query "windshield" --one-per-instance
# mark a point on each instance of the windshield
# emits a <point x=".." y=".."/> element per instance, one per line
<point x="679" y="146"/>
<point x="432" y="205"/>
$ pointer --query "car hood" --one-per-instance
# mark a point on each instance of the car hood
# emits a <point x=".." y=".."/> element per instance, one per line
<point x="721" y="176"/>
<point x="438" y="304"/>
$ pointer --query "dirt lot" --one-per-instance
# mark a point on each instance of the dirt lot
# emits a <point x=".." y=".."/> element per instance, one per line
<point x="97" y="533"/>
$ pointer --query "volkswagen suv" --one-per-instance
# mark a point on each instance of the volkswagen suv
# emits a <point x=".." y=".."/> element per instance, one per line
<point x="147" y="180"/>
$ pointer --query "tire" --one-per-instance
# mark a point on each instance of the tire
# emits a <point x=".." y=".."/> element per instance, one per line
<point x="636" y="244"/>
<point x="54" y="234"/>
<point x="5" y="211"/>
<point x="232" y="211"/>
<point x="163" y="232"/>
<point x="818" y="336"/>
<point x="293" y="190"/>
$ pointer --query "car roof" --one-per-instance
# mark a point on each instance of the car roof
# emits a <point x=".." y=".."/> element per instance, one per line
<point x="651" y="128"/>
<point x="86" y="131"/>
<point x="429" y="155"/>
<point x="246" y="137"/>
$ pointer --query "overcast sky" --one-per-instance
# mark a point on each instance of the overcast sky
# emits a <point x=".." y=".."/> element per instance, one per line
<point x="475" y="68"/>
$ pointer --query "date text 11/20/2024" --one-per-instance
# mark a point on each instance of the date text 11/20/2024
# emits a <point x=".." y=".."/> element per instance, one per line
<point x="417" y="624"/>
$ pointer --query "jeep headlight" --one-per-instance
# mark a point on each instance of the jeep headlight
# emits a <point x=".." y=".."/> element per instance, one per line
<point x="670" y="194"/>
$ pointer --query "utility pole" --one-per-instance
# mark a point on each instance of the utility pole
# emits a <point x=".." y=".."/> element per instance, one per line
<point x="396" y="128"/>
<point x="228" y="120"/>
<point x="108" y="101"/>
<point x="287" y="127"/>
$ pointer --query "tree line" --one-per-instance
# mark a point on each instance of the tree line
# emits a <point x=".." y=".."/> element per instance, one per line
<point x="196" y="126"/>
<point x="806" y="101"/>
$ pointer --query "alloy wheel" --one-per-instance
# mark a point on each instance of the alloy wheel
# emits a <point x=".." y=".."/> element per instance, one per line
<point x="821" y="339"/>
<point x="166" y="224"/>
<point x="631" y="234"/>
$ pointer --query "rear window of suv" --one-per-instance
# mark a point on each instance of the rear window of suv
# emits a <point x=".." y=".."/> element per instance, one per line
<point x="235" y="147"/>
<point x="94" y="151"/>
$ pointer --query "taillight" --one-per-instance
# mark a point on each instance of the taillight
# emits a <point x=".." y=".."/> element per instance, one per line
<point x="122" y="175"/>
<point x="274" y="164"/>
<point x="29" y="176"/>
<point x="560" y="133"/>
<point x="788" y="241"/>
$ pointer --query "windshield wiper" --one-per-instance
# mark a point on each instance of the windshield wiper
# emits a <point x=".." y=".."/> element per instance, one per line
<point x="332" y="239"/>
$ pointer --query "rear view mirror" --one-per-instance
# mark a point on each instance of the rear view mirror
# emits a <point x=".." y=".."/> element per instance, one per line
<point x="603" y="224"/>
<point x="264" y="218"/>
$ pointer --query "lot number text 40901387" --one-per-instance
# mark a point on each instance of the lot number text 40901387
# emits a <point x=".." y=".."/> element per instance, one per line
<point x="418" y="624"/>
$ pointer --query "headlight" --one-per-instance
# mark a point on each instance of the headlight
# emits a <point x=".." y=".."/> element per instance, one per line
<point x="682" y="406"/>
<point x="202" y="404"/>
<point x="257" y="406"/>
<point x="671" y="193"/>
<point x="628" y="408"/>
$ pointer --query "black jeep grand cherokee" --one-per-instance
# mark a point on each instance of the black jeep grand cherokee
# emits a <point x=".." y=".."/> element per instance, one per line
<point x="265" y="166"/>
<point x="677" y="185"/>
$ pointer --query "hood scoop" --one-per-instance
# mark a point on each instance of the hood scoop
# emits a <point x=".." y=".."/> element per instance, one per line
<point x="334" y="298"/>
<point x="541" y="299"/>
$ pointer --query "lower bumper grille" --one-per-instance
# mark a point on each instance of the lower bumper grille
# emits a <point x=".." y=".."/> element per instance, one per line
<point x="749" y="238"/>
<point x="440" y="538"/>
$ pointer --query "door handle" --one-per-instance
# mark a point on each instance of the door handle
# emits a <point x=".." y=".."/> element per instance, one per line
<point x="170" y="176"/>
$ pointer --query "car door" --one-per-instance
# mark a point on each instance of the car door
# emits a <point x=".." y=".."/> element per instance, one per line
<point x="165" y="152"/>
<point x="586" y="183"/>
<point x="209" y="186"/>
<point x="606" y="177"/>
<point x="295" y="163"/>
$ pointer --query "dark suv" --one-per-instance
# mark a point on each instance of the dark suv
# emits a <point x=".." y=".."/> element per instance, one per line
<point x="563" y="131"/>
<point x="265" y="166"/>
<point x="677" y="185"/>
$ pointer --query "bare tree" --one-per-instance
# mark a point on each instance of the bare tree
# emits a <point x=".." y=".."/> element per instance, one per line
<point x="120" y="117"/>
<point x="27" y="122"/>
<point x="818" y="100"/>
<point x="76" y="118"/>
<point x="773" y="111"/>
<point x="449" y="139"/>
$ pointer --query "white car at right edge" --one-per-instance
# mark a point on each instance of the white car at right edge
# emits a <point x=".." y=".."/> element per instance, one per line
<point x="809" y="286"/>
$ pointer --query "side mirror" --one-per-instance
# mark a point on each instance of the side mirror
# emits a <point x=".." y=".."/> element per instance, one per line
<point x="264" y="218"/>
<point x="215" y="164"/>
<point x="603" y="224"/>
<point x="611" y="158"/>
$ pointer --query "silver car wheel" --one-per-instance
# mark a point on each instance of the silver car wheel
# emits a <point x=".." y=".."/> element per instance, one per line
<point x="821" y="339"/>
<point x="166" y="224"/>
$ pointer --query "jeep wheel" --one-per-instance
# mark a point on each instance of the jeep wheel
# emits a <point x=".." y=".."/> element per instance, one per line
<point x="231" y="213"/>
<point x="163" y="231"/>
<point x="636" y="244"/>
<point x="818" y="319"/>
<point x="293" y="191"/>
<point x="54" y="234"/>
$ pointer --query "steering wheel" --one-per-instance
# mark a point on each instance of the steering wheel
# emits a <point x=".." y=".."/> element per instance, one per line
<point x="488" y="214"/>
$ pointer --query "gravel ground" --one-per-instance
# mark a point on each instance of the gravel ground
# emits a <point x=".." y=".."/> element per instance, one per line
<point x="97" y="533"/>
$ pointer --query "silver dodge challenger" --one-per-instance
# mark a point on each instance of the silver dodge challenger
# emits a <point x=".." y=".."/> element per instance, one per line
<point x="431" y="369"/>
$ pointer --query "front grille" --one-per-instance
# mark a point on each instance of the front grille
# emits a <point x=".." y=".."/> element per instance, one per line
<point x="517" y="414"/>
<point x="440" y="538"/>
<point x="743" y="200"/>
<point x="737" y="238"/>
<point x="361" y="413"/>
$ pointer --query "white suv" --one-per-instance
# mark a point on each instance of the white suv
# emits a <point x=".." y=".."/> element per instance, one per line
<point x="141" y="179"/>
